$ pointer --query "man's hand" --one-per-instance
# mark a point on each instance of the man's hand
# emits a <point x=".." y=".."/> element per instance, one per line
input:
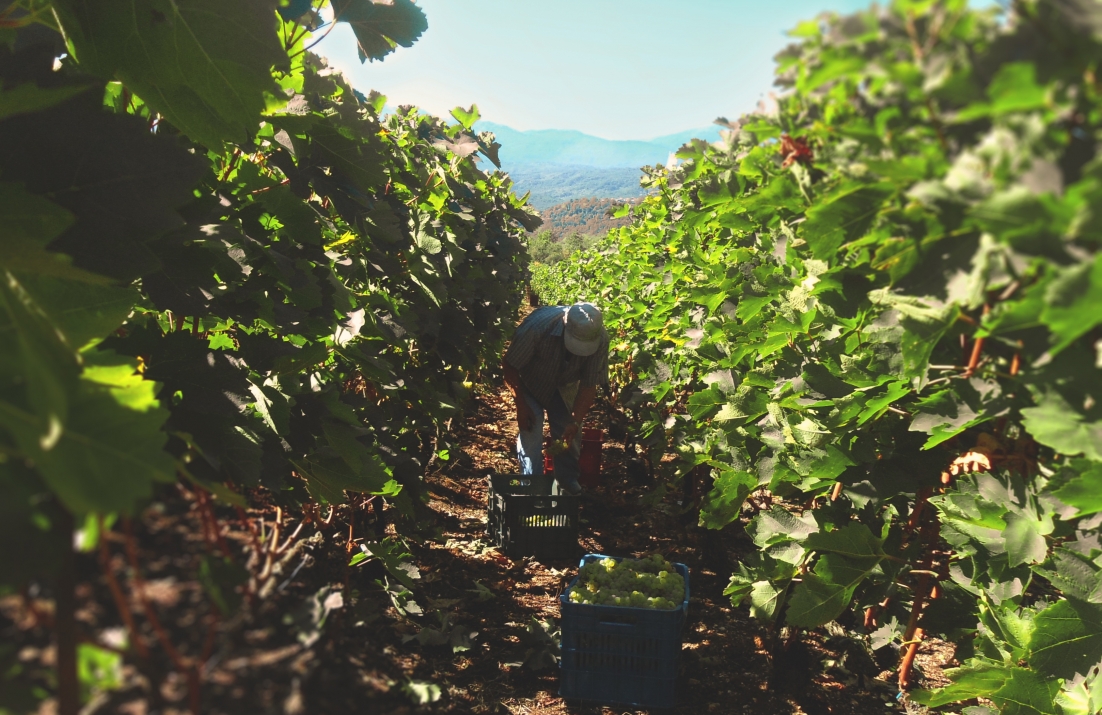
<point x="582" y="402"/>
<point x="524" y="414"/>
<point x="570" y="433"/>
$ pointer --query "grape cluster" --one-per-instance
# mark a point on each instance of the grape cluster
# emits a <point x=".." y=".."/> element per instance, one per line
<point x="650" y="582"/>
<point x="557" y="447"/>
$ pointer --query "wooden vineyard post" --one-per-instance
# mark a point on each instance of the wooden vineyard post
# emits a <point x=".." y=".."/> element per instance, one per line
<point x="65" y="626"/>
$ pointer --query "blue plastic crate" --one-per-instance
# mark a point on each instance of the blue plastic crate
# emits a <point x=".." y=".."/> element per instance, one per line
<point x="524" y="518"/>
<point x="621" y="655"/>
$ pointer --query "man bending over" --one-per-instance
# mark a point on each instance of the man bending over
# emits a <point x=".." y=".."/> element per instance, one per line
<point x="558" y="357"/>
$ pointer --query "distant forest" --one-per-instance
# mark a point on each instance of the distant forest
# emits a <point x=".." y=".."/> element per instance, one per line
<point x="588" y="217"/>
<point x="552" y="184"/>
<point x="572" y="226"/>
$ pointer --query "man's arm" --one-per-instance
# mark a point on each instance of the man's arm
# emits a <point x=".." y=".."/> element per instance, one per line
<point x="594" y="373"/>
<point x="512" y="379"/>
<point x="582" y="402"/>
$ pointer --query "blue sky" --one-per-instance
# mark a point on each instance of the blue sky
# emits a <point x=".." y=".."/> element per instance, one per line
<point x="618" y="69"/>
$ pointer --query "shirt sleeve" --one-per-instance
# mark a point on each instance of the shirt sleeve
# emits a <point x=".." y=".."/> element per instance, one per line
<point x="523" y="345"/>
<point x="595" y="369"/>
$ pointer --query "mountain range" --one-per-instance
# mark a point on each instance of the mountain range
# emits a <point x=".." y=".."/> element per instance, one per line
<point x="565" y="147"/>
<point x="558" y="165"/>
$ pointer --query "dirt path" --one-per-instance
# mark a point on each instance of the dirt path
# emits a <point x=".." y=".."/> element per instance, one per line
<point x="725" y="666"/>
<point x="468" y="641"/>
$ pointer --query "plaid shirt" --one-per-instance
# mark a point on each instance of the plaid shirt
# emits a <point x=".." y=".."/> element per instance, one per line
<point x="545" y="365"/>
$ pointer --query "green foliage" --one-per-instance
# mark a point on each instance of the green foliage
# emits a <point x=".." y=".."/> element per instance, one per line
<point x="422" y="692"/>
<point x="381" y="28"/>
<point x="223" y="265"/>
<point x="589" y="217"/>
<point x="191" y="62"/>
<point x="286" y="285"/>
<point x="544" y="248"/>
<point x="98" y="669"/>
<point x="887" y="283"/>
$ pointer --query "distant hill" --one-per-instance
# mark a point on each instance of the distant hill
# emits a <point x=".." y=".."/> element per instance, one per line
<point x="573" y="148"/>
<point x="588" y="217"/>
<point x="558" y="165"/>
<point x="552" y="184"/>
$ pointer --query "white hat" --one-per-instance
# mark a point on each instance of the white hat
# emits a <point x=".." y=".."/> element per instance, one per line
<point x="584" y="329"/>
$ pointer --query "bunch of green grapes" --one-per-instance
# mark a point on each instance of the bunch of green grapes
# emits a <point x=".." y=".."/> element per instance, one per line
<point x="650" y="582"/>
<point x="557" y="447"/>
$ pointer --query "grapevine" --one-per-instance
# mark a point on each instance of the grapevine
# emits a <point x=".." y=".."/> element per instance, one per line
<point x="257" y="286"/>
<point x="864" y="328"/>
<point x="871" y="314"/>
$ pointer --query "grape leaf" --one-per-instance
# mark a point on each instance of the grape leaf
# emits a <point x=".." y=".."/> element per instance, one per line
<point x="328" y="479"/>
<point x="853" y="540"/>
<point x="1075" y="575"/>
<point x="704" y="403"/>
<point x="466" y="117"/>
<point x="1071" y="303"/>
<point x="120" y="183"/>
<point x="766" y="599"/>
<point x="31" y="222"/>
<point x="1015" y="690"/>
<point x="1064" y="642"/>
<point x="1025" y="539"/>
<point x="779" y="525"/>
<point x="923" y="322"/>
<point x="1055" y="423"/>
<point x="381" y="25"/>
<point x="942" y="414"/>
<point x="832" y="69"/>
<point x="1015" y="89"/>
<point x="293" y="9"/>
<point x="820" y="379"/>
<point x="824" y="594"/>
<point x="44" y="367"/>
<point x="876" y="406"/>
<point x="1027" y="693"/>
<point x="1021" y="219"/>
<point x="975" y="679"/>
<point x="108" y="457"/>
<point x="28" y="98"/>
<point x="843" y="216"/>
<point x="747" y="403"/>
<point x="1084" y="492"/>
<point x="204" y="64"/>
<point x="1074" y="699"/>
<point x="81" y="311"/>
<point x="723" y="504"/>
<point x="273" y="406"/>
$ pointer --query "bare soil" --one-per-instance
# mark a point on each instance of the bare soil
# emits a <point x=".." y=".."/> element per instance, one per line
<point x="272" y="656"/>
